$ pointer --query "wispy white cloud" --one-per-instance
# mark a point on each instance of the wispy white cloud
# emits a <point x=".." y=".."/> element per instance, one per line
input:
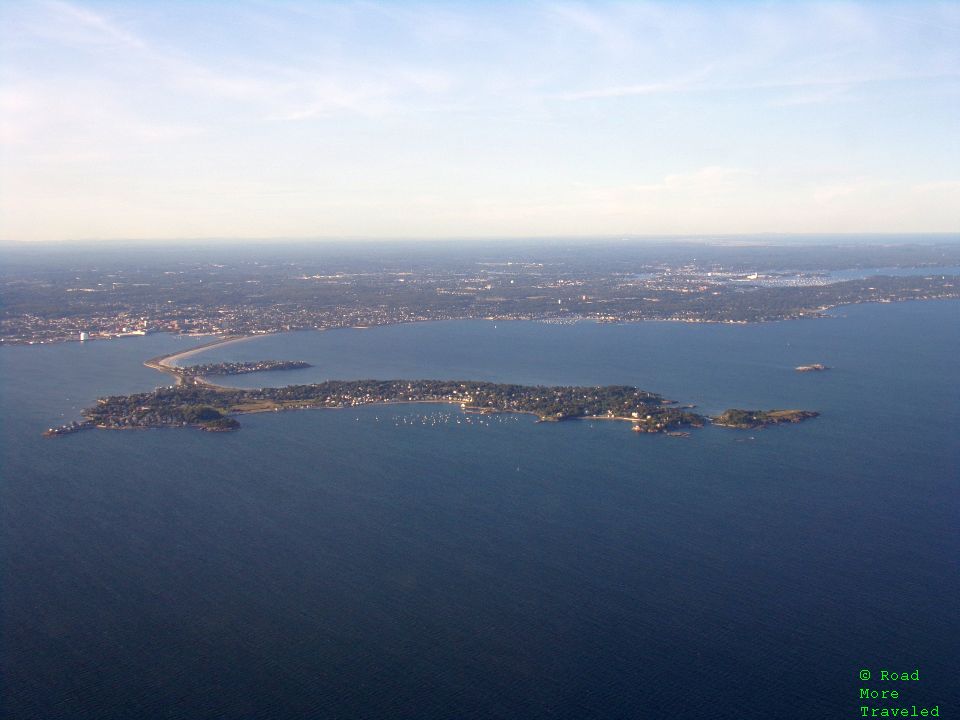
<point x="300" y="87"/>
<point x="653" y="88"/>
<point x="713" y="177"/>
<point x="71" y="23"/>
<point x="415" y="118"/>
<point x="826" y="88"/>
<point x="830" y="193"/>
<point x="598" y="24"/>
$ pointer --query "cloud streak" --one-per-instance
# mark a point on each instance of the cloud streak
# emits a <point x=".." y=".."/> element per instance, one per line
<point x="122" y="119"/>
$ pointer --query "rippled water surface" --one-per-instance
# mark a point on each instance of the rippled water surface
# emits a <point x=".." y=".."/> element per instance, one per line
<point x="401" y="562"/>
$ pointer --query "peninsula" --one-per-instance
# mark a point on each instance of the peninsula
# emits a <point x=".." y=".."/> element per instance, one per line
<point x="198" y="403"/>
<point x="195" y="401"/>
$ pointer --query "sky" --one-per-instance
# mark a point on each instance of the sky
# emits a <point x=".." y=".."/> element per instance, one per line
<point x="256" y="119"/>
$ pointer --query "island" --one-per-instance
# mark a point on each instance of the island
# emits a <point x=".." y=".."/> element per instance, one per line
<point x="195" y="374"/>
<point x="212" y="407"/>
<point x="240" y="368"/>
<point x="749" y="419"/>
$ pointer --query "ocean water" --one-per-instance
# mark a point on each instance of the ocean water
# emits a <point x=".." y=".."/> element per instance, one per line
<point x="392" y="562"/>
<point x="859" y="273"/>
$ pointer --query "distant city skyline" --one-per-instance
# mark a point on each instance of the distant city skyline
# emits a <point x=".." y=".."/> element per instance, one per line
<point x="133" y="120"/>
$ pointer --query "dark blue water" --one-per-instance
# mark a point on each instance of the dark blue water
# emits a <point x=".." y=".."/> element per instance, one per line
<point x="393" y="563"/>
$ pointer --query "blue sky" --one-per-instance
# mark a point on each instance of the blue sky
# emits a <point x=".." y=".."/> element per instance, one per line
<point x="476" y="119"/>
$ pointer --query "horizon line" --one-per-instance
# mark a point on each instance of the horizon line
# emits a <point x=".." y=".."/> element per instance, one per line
<point x="628" y="237"/>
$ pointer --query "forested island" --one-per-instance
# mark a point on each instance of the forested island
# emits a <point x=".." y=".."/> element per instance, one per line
<point x="211" y="407"/>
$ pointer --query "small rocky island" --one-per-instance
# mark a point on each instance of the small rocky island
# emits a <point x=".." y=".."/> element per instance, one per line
<point x="210" y="407"/>
<point x="749" y="419"/>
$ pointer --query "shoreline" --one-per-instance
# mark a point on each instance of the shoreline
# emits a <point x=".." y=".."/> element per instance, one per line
<point x="465" y="410"/>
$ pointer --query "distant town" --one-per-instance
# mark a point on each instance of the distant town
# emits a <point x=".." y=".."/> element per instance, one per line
<point x="254" y="291"/>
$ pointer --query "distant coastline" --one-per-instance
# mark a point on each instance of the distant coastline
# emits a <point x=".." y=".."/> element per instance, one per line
<point x="825" y="311"/>
<point x="700" y="283"/>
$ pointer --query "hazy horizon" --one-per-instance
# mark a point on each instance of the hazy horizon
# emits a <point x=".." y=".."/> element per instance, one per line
<point x="705" y="239"/>
<point x="126" y="121"/>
